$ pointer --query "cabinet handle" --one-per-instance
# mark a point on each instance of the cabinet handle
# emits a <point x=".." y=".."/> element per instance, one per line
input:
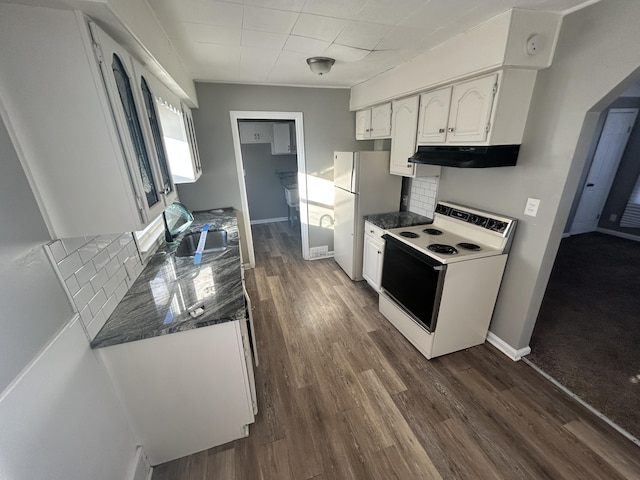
<point x="441" y="130"/>
<point x="450" y="129"/>
<point x="371" y="231"/>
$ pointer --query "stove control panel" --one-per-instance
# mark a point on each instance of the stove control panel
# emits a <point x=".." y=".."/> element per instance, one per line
<point x="489" y="223"/>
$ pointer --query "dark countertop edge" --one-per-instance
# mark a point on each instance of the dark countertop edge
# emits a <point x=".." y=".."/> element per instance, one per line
<point x="390" y="220"/>
<point x="224" y="214"/>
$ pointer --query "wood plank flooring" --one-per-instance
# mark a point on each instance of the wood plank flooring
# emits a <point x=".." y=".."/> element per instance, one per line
<point x="342" y="395"/>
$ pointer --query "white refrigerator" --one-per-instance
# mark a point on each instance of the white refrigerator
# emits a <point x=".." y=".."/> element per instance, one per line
<point x="362" y="186"/>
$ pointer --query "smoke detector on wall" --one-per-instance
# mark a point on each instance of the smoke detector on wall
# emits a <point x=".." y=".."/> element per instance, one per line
<point x="534" y="44"/>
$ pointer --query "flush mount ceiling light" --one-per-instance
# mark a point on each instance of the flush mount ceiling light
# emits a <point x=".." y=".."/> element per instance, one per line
<point x="320" y="65"/>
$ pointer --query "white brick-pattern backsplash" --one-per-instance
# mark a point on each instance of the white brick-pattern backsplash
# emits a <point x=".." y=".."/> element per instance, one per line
<point x="96" y="273"/>
<point x="422" y="198"/>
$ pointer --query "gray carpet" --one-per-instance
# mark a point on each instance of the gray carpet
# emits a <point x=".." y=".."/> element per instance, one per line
<point x="587" y="335"/>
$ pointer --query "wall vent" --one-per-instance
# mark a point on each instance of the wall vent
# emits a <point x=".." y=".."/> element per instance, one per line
<point x="318" y="252"/>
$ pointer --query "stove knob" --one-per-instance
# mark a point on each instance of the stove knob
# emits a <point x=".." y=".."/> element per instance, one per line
<point x="474" y="219"/>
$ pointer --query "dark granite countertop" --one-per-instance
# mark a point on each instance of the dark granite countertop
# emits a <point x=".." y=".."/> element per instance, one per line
<point x="390" y="220"/>
<point x="159" y="301"/>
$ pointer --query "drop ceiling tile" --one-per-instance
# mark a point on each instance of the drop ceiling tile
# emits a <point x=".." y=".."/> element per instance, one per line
<point x="401" y="37"/>
<point x="388" y="12"/>
<point x="306" y="46"/>
<point x="363" y="35"/>
<point x="198" y="11"/>
<point x="256" y="63"/>
<point x="345" y="54"/>
<point x="348" y="9"/>
<point x="267" y="40"/>
<point x="289" y="5"/>
<point x="318" y="27"/>
<point x="267" y="20"/>
<point x="438" y="13"/>
<point x="201" y="33"/>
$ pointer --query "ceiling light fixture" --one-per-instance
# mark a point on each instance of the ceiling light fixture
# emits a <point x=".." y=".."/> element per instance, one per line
<point x="320" y="65"/>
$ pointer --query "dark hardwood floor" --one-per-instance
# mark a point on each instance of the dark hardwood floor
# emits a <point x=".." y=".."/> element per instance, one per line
<point x="342" y="395"/>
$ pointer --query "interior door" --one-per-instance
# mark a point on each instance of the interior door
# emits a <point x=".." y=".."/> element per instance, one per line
<point x="611" y="145"/>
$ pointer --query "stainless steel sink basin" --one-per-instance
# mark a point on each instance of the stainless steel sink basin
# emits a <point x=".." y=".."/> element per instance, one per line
<point x="216" y="241"/>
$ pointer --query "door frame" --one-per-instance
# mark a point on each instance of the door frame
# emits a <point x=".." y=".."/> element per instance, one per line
<point x="611" y="166"/>
<point x="236" y="115"/>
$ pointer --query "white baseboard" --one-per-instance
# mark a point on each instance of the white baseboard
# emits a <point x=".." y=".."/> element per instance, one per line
<point x="615" y="233"/>
<point x="270" y="220"/>
<point x="507" y="349"/>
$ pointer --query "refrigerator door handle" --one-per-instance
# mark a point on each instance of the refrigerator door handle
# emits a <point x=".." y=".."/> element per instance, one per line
<point x="353" y="174"/>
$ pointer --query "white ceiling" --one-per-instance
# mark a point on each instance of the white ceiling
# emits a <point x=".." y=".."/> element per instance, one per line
<point x="268" y="41"/>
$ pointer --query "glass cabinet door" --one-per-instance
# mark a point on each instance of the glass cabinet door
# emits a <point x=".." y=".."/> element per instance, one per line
<point x="154" y="124"/>
<point x="125" y="92"/>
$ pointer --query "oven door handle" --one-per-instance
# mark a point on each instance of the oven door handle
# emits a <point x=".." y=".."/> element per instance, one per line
<point x="418" y="255"/>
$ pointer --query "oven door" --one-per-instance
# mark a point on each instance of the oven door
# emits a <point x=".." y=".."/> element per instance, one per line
<point x="413" y="281"/>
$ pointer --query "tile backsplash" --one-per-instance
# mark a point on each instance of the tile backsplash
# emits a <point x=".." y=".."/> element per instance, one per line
<point x="96" y="273"/>
<point x="422" y="196"/>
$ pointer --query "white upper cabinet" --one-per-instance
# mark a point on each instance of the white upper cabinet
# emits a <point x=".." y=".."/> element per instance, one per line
<point x="374" y="122"/>
<point x="178" y="133"/>
<point x="255" y="132"/>
<point x="284" y="138"/>
<point x="404" y="125"/>
<point x="433" y="119"/>
<point x="77" y="116"/>
<point x="381" y="121"/>
<point x="363" y="124"/>
<point x="471" y="104"/>
<point x="144" y="153"/>
<point x="490" y="110"/>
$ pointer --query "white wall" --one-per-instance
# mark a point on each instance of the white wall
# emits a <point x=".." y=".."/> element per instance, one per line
<point x="596" y="51"/>
<point x="59" y="417"/>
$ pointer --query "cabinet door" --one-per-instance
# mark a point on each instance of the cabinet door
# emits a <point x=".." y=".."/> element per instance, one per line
<point x="193" y="143"/>
<point x="381" y="121"/>
<point x="372" y="261"/>
<point x="363" y="124"/>
<point x="471" y="104"/>
<point x="281" y="143"/>
<point x="119" y="80"/>
<point x="247" y="132"/>
<point x="404" y="123"/>
<point x="434" y="116"/>
<point x="166" y="186"/>
<point x="264" y="132"/>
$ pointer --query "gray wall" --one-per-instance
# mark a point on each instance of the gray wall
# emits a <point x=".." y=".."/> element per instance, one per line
<point x="597" y="52"/>
<point x="328" y="126"/>
<point x="264" y="190"/>
<point x="34" y="306"/>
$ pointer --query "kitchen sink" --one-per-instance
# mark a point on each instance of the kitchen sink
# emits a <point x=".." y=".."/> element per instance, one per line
<point x="216" y="241"/>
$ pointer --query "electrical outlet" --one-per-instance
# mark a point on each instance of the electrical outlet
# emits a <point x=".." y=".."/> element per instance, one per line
<point x="531" y="208"/>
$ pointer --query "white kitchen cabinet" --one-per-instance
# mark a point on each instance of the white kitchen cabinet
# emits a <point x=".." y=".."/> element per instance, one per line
<point x="363" y="124"/>
<point x="92" y="166"/>
<point x="179" y="135"/>
<point x="373" y="255"/>
<point x="433" y="118"/>
<point x="471" y="104"/>
<point x="489" y="110"/>
<point x="404" y="125"/>
<point x="185" y="392"/>
<point x="148" y="104"/>
<point x="255" y="132"/>
<point x="374" y="122"/>
<point x="284" y="138"/>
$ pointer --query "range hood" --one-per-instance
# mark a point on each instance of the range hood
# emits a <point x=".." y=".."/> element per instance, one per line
<point x="468" y="156"/>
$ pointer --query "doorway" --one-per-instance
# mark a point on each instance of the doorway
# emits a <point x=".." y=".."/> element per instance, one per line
<point x="611" y="146"/>
<point x="586" y="333"/>
<point x="270" y="118"/>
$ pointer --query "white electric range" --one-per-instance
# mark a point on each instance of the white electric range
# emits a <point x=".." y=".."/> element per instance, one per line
<point x="440" y="281"/>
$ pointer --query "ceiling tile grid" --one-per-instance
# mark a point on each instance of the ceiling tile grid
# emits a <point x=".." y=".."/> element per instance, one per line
<point x="268" y="41"/>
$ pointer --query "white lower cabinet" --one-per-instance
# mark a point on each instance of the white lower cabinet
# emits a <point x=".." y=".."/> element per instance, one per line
<point x="373" y="254"/>
<point x="187" y="391"/>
